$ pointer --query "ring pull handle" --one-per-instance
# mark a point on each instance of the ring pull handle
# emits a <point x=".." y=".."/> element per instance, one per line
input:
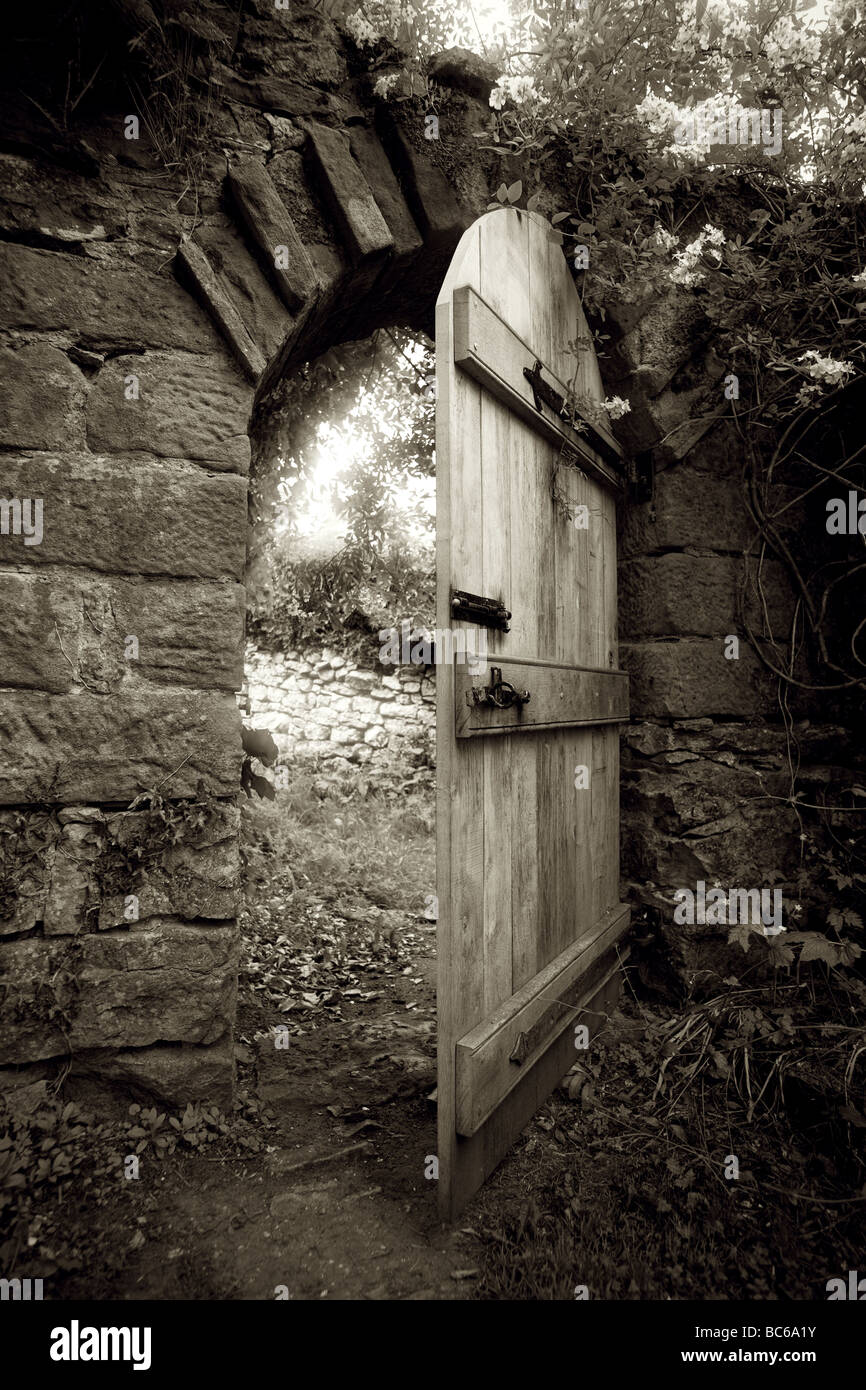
<point x="500" y="693"/>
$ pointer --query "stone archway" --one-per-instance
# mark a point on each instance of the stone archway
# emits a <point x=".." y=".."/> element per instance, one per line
<point x="129" y="394"/>
<point x="126" y="641"/>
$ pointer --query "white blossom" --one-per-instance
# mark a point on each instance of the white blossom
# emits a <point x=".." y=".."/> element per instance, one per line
<point x="827" y="370"/>
<point x="687" y="270"/>
<point x="516" y="89"/>
<point x="361" y="30"/>
<point x="384" y="86"/>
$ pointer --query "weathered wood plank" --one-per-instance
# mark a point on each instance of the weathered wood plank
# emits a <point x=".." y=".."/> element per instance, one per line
<point x="459" y="783"/>
<point x="488" y="1068"/>
<point x="560" y="697"/>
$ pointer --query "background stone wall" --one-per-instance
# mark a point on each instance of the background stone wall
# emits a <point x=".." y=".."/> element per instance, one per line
<point x="327" y="711"/>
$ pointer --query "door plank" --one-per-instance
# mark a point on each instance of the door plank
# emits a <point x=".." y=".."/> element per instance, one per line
<point x="487" y="1065"/>
<point x="527" y="863"/>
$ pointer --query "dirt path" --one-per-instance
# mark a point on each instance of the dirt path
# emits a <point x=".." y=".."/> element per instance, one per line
<point x="339" y="1207"/>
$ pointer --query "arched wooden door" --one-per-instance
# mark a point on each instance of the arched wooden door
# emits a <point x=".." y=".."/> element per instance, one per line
<point x="528" y="791"/>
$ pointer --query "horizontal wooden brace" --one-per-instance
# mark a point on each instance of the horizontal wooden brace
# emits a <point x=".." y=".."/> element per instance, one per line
<point x="497" y="1054"/>
<point x="494" y="356"/>
<point x="561" y="697"/>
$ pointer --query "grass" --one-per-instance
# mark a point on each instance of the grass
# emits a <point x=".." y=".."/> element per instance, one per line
<point x="315" y="844"/>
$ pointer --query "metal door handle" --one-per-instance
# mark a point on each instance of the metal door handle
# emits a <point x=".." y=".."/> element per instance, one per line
<point x="500" y="693"/>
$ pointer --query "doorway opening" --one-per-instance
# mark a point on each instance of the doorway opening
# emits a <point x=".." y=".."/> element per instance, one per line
<point x="336" y="1011"/>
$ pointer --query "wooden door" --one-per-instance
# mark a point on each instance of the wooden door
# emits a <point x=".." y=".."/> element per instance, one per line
<point x="527" y="800"/>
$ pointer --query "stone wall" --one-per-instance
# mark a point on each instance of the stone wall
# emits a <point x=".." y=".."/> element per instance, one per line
<point x="145" y="316"/>
<point x="327" y="711"/>
<point x="707" y="760"/>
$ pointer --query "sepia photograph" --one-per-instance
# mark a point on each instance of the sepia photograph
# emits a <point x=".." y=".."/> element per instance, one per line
<point x="432" y="673"/>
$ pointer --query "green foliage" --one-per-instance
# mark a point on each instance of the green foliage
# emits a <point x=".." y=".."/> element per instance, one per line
<point x="372" y="403"/>
<point x="195" y="1128"/>
<point x="26" y="840"/>
<point x="133" y="846"/>
<point x="60" y="1164"/>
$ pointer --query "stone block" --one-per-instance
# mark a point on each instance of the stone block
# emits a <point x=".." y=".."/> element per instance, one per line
<point x="691" y="677"/>
<point x="195" y="878"/>
<point x="428" y="193"/>
<point x="691" y="508"/>
<point x="95" y="748"/>
<point x="699" y="595"/>
<point x="40" y="406"/>
<point x="169" y="1077"/>
<point x="137" y="516"/>
<point x="166" y="982"/>
<point x="59" y="632"/>
<point x="187" y="408"/>
<point x="101" y="305"/>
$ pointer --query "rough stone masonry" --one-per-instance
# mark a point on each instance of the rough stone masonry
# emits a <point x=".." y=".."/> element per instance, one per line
<point x="144" y="319"/>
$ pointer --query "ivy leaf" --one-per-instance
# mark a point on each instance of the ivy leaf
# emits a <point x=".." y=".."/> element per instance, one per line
<point x="258" y="743"/>
<point x="515" y="191"/>
<point x="559" y="217"/>
<point x="740" y="936"/>
<point x="819" y="948"/>
<point x="502" y="193"/>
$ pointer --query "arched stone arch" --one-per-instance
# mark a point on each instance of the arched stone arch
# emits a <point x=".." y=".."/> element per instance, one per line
<point x="136" y="341"/>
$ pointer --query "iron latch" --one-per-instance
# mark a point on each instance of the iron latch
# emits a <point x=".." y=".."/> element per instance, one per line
<point x="474" y="608"/>
<point x="500" y="693"/>
<point x="543" y="391"/>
